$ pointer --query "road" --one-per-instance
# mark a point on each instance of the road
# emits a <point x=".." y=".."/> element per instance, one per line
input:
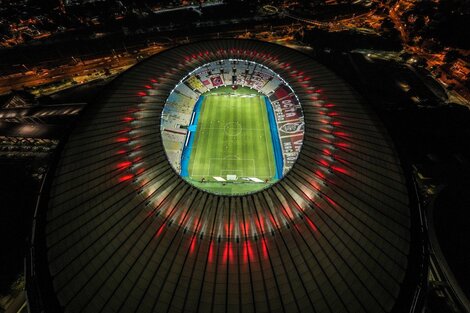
<point x="79" y="71"/>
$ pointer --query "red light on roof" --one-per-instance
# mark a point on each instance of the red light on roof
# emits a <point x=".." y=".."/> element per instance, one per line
<point x="230" y="251"/>
<point x="342" y="144"/>
<point x="125" y="130"/>
<point x="228" y="229"/>
<point x="125" y="178"/>
<point x="246" y="227"/>
<point x="159" y="231"/>
<point x="124" y="164"/>
<point x="193" y="244"/>
<point x="330" y="200"/>
<point x="153" y="80"/>
<point x="310" y="223"/>
<point x="339" y="169"/>
<point x="225" y="255"/>
<point x="264" y="247"/>
<point x="340" y="134"/>
<point x="320" y="174"/>
<point x="128" y="119"/>
<point x="288" y="213"/>
<point x="141" y="93"/>
<point x="248" y="251"/>
<point x="122" y="139"/>
<point x="211" y="251"/>
<point x="148" y="86"/>
<point x="324" y="163"/>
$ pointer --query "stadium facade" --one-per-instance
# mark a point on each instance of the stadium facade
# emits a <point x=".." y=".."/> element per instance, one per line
<point x="121" y="231"/>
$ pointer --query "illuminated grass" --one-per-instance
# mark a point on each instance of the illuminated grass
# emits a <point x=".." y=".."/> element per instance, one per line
<point x="232" y="138"/>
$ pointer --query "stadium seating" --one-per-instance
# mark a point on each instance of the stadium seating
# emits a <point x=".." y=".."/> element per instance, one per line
<point x="180" y="104"/>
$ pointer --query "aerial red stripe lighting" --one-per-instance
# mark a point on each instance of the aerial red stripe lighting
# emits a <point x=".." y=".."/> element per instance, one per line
<point x="320" y="174"/>
<point x="238" y="229"/>
<point x="264" y="247"/>
<point x="125" y="178"/>
<point x="228" y="252"/>
<point x="125" y="130"/>
<point x="330" y="200"/>
<point x="124" y="164"/>
<point x="211" y="251"/>
<point x="310" y="223"/>
<point x="122" y="139"/>
<point x="341" y="134"/>
<point x="159" y="231"/>
<point x="193" y="244"/>
<point x="339" y="169"/>
<point x="342" y="144"/>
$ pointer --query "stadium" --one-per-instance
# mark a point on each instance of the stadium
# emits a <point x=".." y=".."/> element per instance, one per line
<point x="224" y="176"/>
<point x="250" y="127"/>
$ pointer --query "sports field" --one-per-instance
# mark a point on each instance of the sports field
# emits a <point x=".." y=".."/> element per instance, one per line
<point x="232" y="137"/>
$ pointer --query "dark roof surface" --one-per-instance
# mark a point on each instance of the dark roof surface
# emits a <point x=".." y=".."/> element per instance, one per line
<point x="126" y="234"/>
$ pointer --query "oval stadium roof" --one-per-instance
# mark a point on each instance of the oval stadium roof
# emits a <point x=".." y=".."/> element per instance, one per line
<point x="125" y="233"/>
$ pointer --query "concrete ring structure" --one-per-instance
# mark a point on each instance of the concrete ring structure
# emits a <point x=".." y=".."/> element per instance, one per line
<point x="125" y="233"/>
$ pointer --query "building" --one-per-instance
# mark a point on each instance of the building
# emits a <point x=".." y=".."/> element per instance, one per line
<point x="118" y="230"/>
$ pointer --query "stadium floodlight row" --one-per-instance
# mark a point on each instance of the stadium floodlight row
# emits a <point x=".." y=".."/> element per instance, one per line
<point x="268" y="137"/>
<point x="123" y="232"/>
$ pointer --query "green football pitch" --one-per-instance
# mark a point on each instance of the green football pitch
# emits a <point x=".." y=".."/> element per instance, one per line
<point x="232" y="138"/>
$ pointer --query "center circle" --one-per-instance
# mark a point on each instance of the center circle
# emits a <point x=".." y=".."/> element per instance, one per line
<point x="232" y="127"/>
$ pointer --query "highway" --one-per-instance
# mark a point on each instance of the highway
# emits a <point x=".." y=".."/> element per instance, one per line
<point x="80" y="70"/>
